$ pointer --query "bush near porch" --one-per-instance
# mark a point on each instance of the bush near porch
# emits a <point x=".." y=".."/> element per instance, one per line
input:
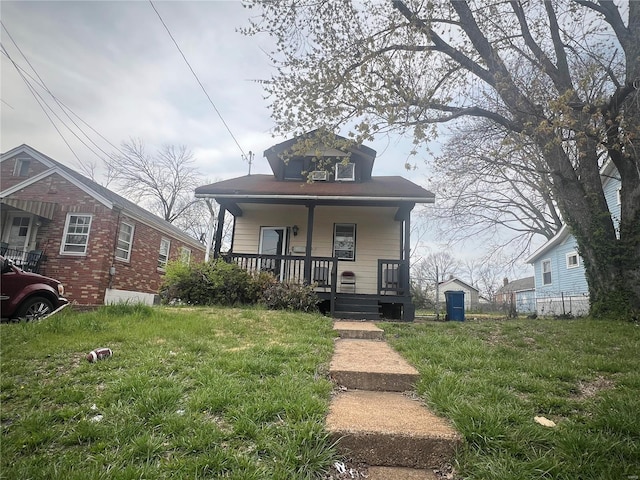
<point x="223" y="283"/>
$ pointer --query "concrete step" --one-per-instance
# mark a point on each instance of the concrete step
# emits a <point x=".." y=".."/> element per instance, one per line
<point x="370" y="365"/>
<point x="389" y="429"/>
<point x="362" y="330"/>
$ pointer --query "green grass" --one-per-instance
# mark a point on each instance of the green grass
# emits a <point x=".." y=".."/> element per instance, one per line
<point x="188" y="393"/>
<point x="491" y="378"/>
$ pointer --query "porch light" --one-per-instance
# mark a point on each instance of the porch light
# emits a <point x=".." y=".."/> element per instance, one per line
<point x="295" y="230"/>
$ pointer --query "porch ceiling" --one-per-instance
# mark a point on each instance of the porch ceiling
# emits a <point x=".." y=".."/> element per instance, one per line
<point x="237" y="208"/>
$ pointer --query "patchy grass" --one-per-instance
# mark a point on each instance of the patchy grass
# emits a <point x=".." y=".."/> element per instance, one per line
<point x="188" y="393"/>
<point x="492" y="378"/>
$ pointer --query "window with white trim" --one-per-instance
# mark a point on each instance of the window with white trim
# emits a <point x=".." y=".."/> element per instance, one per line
<point x="21" y="168"/>
<point x="345" y="172"/>
<point x="546" y="272"/>
<point x="125" y="241"/>
<point x="75" y="239"/>
<point x="619" y="196"/>
<point x="344" y="241"/>
<point x="573" y="260"/>
<point x="185" y="255"/>
<point x="163" y="254"/>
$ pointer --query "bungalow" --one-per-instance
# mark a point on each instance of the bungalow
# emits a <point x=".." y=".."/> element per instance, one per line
<point x="321" y="218"/>
<point x="560" y="281"/>
<point x="102" y="247"/>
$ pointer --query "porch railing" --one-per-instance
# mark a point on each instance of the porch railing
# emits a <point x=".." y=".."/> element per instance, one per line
<point x="321" y="271"/>
<point x="29" y="261"/>
<point x="392" y="277"/>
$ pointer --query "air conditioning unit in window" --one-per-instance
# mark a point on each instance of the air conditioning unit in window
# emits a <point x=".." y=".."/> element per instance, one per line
<point x="319" y="175"/>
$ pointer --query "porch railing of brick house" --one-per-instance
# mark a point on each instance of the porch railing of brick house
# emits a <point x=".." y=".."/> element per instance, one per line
<point x="29" y="261"/>
<point x="321" y="271"/>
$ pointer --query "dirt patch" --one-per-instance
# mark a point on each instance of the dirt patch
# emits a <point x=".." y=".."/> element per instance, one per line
<point x="589" y="389"/>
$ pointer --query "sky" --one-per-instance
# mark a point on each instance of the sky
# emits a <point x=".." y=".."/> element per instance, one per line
<point x="118" y="72"/>
<point x="116" y="67"/>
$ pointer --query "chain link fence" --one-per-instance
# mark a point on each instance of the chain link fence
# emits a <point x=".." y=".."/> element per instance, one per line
<point x="562" y="304"/>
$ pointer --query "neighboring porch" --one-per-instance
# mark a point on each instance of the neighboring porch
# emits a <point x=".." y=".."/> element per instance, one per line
<point x="22" y="226"/>
<point x="338" y="291"/>
<point x="29" y="261"/>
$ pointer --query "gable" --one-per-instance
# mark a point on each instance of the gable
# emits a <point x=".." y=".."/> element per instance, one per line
<point x="47" y="172"/>
<point x="332" y="157"/>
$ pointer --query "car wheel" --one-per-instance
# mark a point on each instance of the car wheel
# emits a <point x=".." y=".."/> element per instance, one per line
<point x="35" y="308"/>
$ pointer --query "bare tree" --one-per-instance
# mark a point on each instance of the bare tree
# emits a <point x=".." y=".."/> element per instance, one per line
<point x="561" y="76"/>
<point x="163" y="182"/>
<point x="433" y="269"/>
<point x="490" y="190"/>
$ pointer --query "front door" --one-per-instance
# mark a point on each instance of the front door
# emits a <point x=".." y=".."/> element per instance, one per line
<point x="273" y="242"/>
<point x="16" y="235"/>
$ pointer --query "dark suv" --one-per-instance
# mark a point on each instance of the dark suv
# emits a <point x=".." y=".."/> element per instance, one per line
<point x="27" y="295"/>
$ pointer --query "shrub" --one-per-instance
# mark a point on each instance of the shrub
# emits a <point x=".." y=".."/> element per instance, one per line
<point x="286" y="296"/>
<point x="214" y="283"/>
<point x="222" y="283"/>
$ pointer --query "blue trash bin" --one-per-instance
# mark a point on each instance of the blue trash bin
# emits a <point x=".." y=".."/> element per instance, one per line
<point x="455" y="305"/>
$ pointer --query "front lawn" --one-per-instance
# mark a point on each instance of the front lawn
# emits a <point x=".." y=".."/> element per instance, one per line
<point x="194" y="393"/>
<point x="491" y="378"/>
<point x="188" y="394"/>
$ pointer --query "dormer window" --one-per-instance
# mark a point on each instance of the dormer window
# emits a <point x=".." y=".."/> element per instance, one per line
<point x="293" y="169"/>
<point x="345" y="172"/>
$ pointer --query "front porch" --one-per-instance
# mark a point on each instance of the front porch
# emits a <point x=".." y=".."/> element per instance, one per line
<point x="29" y="261"/>
<point x="339" y="293"/>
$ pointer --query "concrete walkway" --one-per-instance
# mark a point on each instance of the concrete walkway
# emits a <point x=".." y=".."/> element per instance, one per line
<point x="372" y="420"/>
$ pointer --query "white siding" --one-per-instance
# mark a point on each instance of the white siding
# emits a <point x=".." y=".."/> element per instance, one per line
<point x="377" y="235"/>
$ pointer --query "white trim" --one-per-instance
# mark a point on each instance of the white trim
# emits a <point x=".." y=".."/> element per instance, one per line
<point x="546" y="260"/>
<point x="556" y="240"/>
<point x="347" y="178"/>
<point x="572" y="254"/>
<point x="133" y="229"/>
<point x="353" y="236"/>
<point x="283" y="247"/>
<point x="65" y="232"/>
<point x="163" y="265"/>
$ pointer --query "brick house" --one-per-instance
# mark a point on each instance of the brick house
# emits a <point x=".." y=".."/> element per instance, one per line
<point x="61" y="224"/>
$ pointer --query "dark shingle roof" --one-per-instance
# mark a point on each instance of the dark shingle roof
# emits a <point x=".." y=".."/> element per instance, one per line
<point x="527" y="283"/>
<point x="392" y="187"/>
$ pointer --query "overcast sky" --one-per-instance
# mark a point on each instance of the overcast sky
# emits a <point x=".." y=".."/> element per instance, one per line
<point x="115" y="66"/>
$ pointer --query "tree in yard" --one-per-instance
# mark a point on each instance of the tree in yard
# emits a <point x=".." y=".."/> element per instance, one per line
<point x="164" y="182"/>
<point x="433" y="269"/>
<point x="559" y="79"/>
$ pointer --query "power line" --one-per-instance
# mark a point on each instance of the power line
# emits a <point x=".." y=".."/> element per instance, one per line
<point x="65" y="107"/>
<point x="40" y="82"/>
<point x="35" y="96"/>
<point x="198" y="80"/>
